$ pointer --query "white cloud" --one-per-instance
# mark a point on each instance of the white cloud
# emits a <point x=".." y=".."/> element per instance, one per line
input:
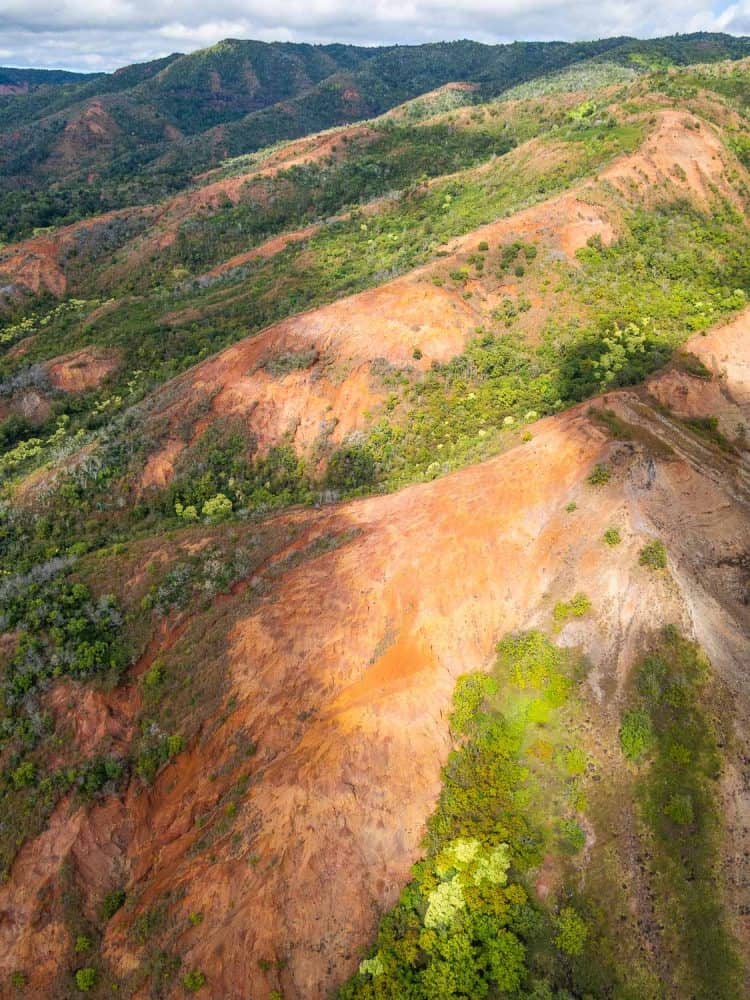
<point x="78" y="34"/>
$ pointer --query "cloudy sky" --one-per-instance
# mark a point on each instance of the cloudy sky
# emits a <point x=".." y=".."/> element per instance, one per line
<point x="105" y="34"/>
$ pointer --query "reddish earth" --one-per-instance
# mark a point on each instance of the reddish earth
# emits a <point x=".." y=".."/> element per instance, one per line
<point x="268" y="249"/>
<point x="343" y="676"/>
<point x="84" y="369"/>
<point x="244" y="186"/>
<point x="38" y="264"/>
<point x="333" y="392"/>
<point x="331" y="396"/>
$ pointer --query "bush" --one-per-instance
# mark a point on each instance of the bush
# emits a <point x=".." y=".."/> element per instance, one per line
<point x="194" y="981"/>
<point x="85" y="979"/>
<point x="575" y="761"/>
<point x="576" y="608"/>
<point x="599" y="475"/>
<point x="612" y="537"/>
<point x="679" y="809"/>
<point x="636" y="734"/>
<point x="572" y="835"/>
<point x="571" y="931"/>
<point x="653" y="555"/>
<point x="113" y="901"/>
<point x="217" y="508"/>
<point x="351" y="468"/>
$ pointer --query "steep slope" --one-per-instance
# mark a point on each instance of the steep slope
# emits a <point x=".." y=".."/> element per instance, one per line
<point x="332" y="386"/>
<point x="369" y="639"/>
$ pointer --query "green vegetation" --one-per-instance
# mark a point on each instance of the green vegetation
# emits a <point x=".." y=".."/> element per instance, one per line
<point x="63" y="631"/>
<point x="653" y="555"/>
<point x="467" y="925"/>
<point x="636" y="735"/>
<point x="113" y="902"/>
<point x="672" y="730"/>
<point x="612" y="537"/>
<point x="599" y="475"/>
<point x="146" y="103"/>
<point x="194" y="981"/>
<point x="470" y="924"/>
<point x="575" y="608"/>
<point x="708" y="428"/>
<point x="85" y="979"/>
<point x="515" y="808"/>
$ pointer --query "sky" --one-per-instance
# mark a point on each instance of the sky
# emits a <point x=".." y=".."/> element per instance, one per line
<point x="94" y="35"/>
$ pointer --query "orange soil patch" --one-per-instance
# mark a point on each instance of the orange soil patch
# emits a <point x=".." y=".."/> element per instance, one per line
<point x="35" y="265"/>
<point x="268" y="249"/>
<point x="160" y="466"/>
<point x="683" y="152"/>
<point x="21" y="348"/>
<point x="240" y="187"/>
<point x="83" y="369"/>
<point x="387" y="322"/>
<point x="727" y="395"/>
<point x="98" y="721"/>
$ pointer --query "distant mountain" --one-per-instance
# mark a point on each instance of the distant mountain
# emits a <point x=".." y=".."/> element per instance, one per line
<point x="90" y="143"/>
<point x="24" y="80"/>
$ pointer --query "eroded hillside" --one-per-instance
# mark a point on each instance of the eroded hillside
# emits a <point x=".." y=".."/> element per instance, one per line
<point x="505" y="404"/>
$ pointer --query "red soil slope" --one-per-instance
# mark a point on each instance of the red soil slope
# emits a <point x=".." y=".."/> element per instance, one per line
<point x="343" y="676"/>
<point x="336" y="388"/>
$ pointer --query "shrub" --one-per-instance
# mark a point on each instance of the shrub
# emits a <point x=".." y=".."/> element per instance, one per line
<point x="82" y="945"/>
<point x="576" y="608"/>
<point x="679" y="809"/>
<point x="612" y="537"/>
<point x="599" y="475"/>
<point x="175" y="745"/>
<point x="218" y="508"/>
<point x="291" y="361"/>
<point x="570" y="507"/>
<point x="575" y="761"/>
<point x="571" y="931"/>
<point x="653" y="555"/>
<point x="693" y="365"/>
<point x="572" y="835"/>
<point x="113" y="901"/>
<point x="636" y="734"/>
<point x="18" y="980"/>
<point x="352" y="467"/>
<point x="154" y="677"/>
<point x="24" y="775"/>
<point x="85" y="979"/>
<point x="194" y="981"/>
